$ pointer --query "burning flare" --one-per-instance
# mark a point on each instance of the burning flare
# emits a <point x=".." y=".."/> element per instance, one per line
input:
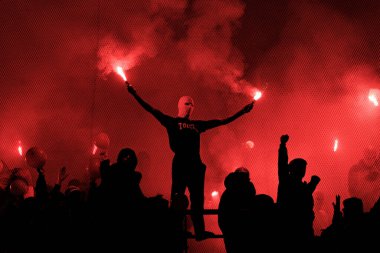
<point x="257" y="95"/>
<point x="94" y="149"/>
<point x="373" y="99"/>
<point x="373" y="95"/>
<point x="19" y="148"/>
<point x="214" y="194"/>
<point x="121" y="73"/>
<point x="335" y="145"/>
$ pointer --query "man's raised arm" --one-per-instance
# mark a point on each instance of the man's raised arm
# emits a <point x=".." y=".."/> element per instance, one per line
<point x="219" y="122"/>
<point x="161" y="117"/>
<point x="283" y="169"/>
<point x="142" y="102"/>
<point x="246" y="109"/>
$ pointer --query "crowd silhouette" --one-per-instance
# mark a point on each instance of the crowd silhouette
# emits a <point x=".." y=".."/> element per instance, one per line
<point x="112" y="213"/>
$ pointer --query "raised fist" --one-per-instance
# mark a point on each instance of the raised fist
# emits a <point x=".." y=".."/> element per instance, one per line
<point x="284" y="139"/>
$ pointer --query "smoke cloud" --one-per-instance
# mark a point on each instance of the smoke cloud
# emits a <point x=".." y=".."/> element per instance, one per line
<point x="319" y="60"/>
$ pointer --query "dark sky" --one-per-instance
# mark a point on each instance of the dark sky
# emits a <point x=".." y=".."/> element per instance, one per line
<point x="319" y="60"/>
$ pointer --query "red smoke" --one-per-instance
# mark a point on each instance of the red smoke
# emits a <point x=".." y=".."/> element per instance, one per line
<point x="319" y="58"/>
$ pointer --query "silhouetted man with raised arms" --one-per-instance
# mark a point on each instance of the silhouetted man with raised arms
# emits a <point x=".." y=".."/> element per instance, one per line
<point x="188" y="169"/>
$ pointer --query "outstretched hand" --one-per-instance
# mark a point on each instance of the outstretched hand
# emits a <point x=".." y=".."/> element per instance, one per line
<point x="130" y="88"/>
<point x="284" y="139"/>
<point x="336" y="205"/>
<point x="248" y="107"/>
<point x="40" y="170"/>
<point x="315" y="179"/>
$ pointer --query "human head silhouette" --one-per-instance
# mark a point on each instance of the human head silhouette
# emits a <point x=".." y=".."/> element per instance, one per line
<point x="297" y="168"/>
<point x="185" y="107"/>
<point x="127" y="157"/>
<point x="352" y="208"/>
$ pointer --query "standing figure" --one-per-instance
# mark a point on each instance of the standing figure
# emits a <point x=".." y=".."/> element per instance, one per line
<point x="235" y="211"/>
<point x="188" y="170"/>
<point x="295" y="198"/>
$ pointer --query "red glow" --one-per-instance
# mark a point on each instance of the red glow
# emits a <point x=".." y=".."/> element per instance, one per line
<point x="257" y="95"/>
<point x="320" y="59"/>
<point x="119" y="70"/>
<point x="336" y="145"/>
<point x="373" y="96"/>
<point x="250" y="144"/>
<point x="19" y="148"/>
<point x="94" y="148"/>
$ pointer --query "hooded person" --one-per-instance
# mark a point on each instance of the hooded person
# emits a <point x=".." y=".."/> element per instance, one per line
<point x="188" y="170"/>
<point x="126" y="180"/>
<point x="235" y="211"/>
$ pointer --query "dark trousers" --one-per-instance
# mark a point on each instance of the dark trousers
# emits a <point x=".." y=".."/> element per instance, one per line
<point x="190" y="173"/>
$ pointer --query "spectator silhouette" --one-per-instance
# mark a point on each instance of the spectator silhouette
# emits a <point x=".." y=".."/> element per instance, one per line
<point x="374" y="223"/>
<point x="119" y="187"/>
<point x="264" y="224"/>
<point x="188" y="170"/>
<point x="350" y="228"/>
<point x="42" y="188"/>
<point x="29" y="216"/>
<point x="56" y="193"/>
<point x="17" y="208"/>
<point x="119" y="204"/>
<point x="114" y="204"/>
<point x="322" y="218"/>
<point x="126" y="179"/>
<point x="234" y="211"/>
<point x="295" y="199"/>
